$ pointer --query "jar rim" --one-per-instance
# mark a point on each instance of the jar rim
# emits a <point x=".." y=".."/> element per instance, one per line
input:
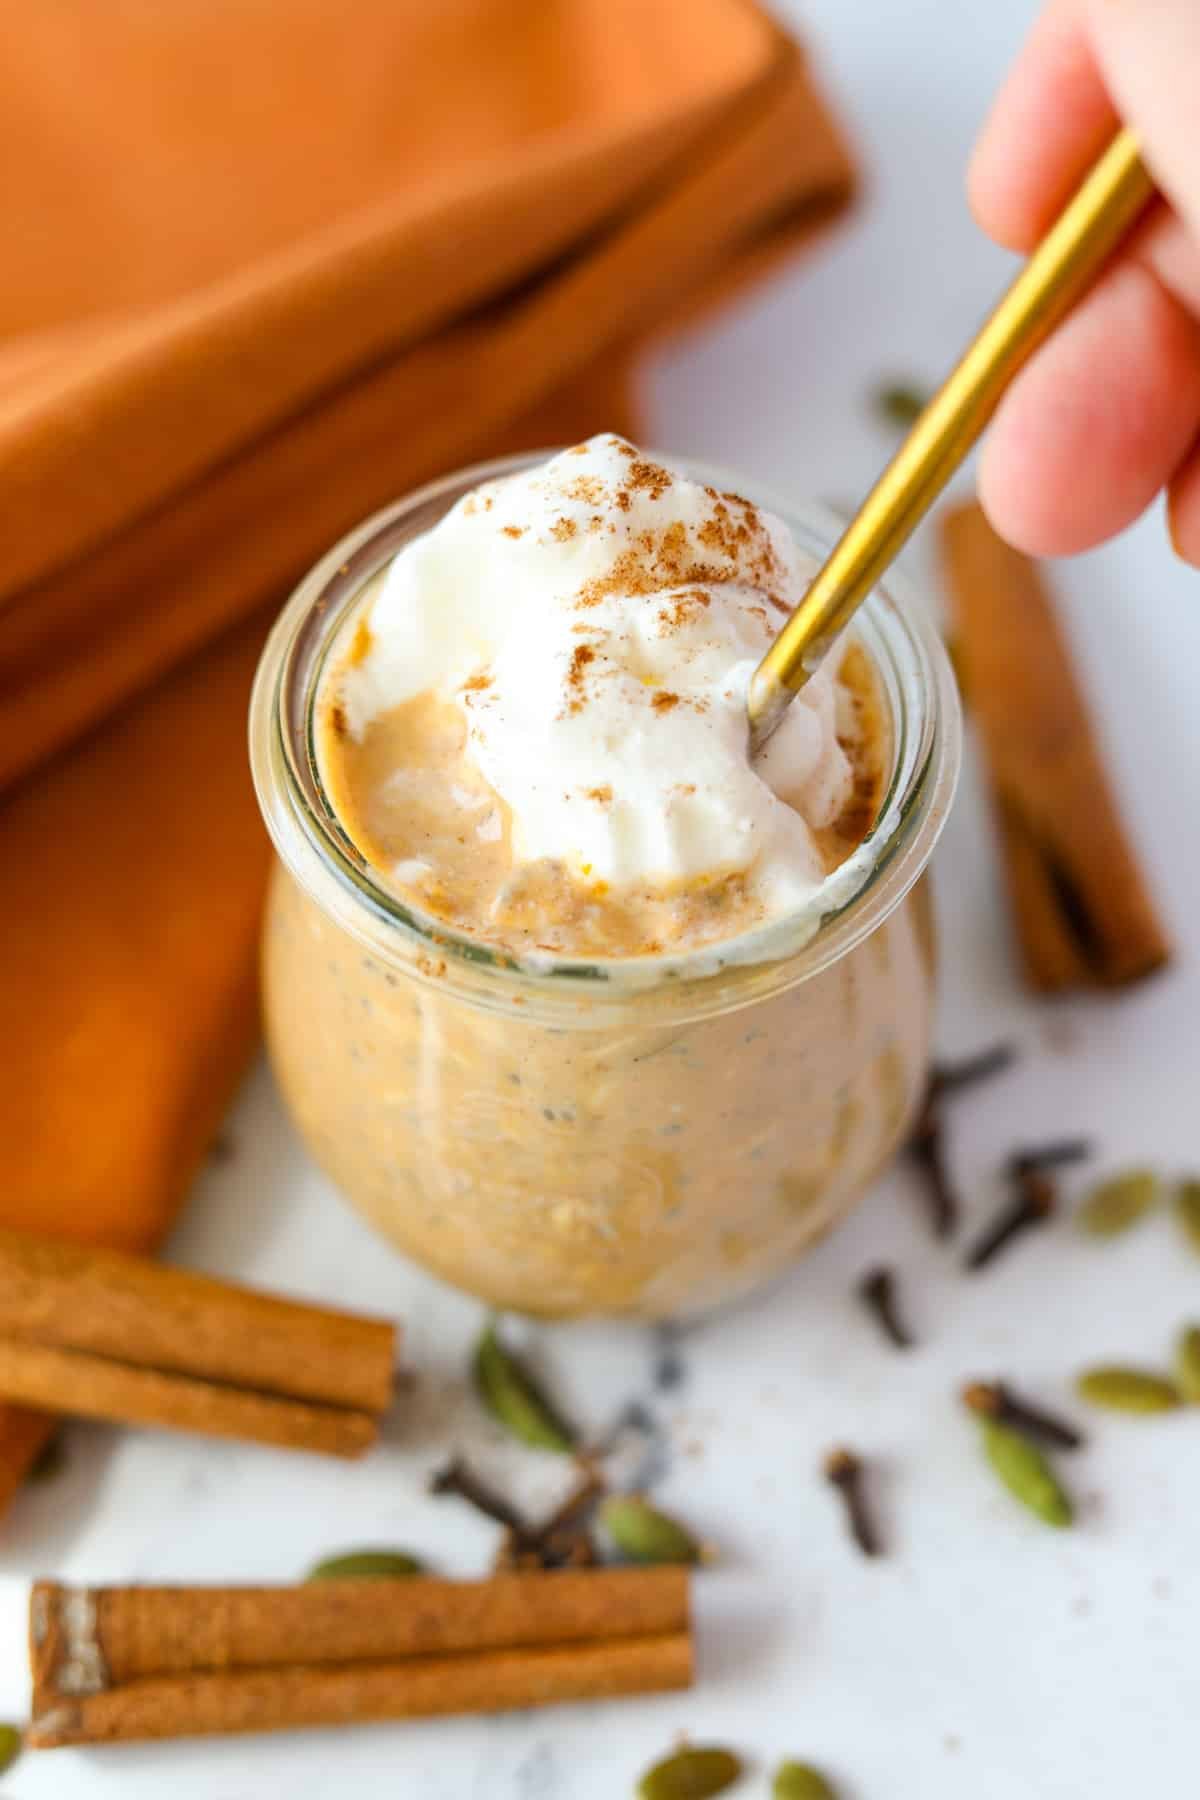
<point x="919" y="687"/>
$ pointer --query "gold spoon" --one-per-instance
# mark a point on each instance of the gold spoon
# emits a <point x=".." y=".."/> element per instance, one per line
<point x="1060" y="269"/>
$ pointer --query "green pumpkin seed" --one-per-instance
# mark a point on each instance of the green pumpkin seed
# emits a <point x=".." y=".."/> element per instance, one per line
<point x="1118" y="1203"/>
<point x="646" y="1535"/>
<point x="1187" y="1205"/>
<point x="364" y="1565"/>
<point x="1127" y="1390"/>
<point x="899" y="403"/>
<point x="514" y="1399"/>
<point x="800" y="1781"/>
<point x="12" y="1741"/>
<point x="690" y="1775"/>
<point x="1026" y="1473"/>
<point x="1187" y="1364"/>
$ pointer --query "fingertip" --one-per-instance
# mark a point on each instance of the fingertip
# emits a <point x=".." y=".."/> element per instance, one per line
<point x="1095" y="425"/>
<point x="990" y="197"/>
<point x="1049" y="122"/>
<point x="1027" y="516"/>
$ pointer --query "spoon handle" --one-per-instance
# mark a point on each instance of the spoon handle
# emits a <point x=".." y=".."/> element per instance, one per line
<point x="1073" y="251"/>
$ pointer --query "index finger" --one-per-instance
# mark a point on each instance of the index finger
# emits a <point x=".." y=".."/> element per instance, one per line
<point x="1052" y="118"/>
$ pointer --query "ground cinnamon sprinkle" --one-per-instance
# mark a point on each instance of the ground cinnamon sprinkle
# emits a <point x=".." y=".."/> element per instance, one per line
<point x="650" y="477"/>
<point x="651" y="564"/>
<point x="730" y="537"/>
<point x="476" y="683"/>
<point x="664" y="701"/>
<point x="562" y="529"/>
<point x="721" y="533"/>
<point x="681" y="609"/>
<point x="624" y="499"/>
<point x="581" y="656"/>
<point x="513" y="531"/>
<point x="588" y="488"/>
<point x="601" y="795"/>
<point x="626" y="576"/>
<point x="674" y="551"/>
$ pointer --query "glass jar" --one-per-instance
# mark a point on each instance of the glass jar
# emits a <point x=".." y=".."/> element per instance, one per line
<point x="646" y="1137"/>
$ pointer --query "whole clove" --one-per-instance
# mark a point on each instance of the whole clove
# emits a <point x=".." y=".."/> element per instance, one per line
<point x="561" y="1540"/>
<point x="568" y="1550"/>
<point x="578" y="1506"/>
<point x="926" y="1147"/>
<point x="877" y="1290"/>
<point x="513" y="1555"/>
<point x="456" y="1478"/>
<point x="968" y="1071"/>
<point x="993" y="1400"/>
<point x="1055" y="1155"/>
<point x="1032" y="1204"/>
<point x="844" y="1471"/>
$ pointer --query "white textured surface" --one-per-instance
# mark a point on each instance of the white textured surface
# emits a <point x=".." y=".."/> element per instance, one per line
<point x="986" y="1657"/>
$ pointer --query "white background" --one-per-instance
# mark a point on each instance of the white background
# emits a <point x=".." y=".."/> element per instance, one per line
<point x="986" y="1656"/>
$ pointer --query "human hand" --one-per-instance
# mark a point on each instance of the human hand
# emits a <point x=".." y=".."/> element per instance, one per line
<point x="1107" y="413"/>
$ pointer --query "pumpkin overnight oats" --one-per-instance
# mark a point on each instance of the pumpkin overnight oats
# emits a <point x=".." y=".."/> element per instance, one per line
<point x="579" y="1007"/>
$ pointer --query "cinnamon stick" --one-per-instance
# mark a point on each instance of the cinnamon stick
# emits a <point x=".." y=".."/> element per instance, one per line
<point x="90" y="1387"/>
<point x="171" y="1706"/>
<point x="94" y="1638"/>
<point x="132" y="1310"/>
<point x="1083" y="911"/>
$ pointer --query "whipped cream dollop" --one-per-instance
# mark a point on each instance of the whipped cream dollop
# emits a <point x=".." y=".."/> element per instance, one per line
<point x="597" y="620"/>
